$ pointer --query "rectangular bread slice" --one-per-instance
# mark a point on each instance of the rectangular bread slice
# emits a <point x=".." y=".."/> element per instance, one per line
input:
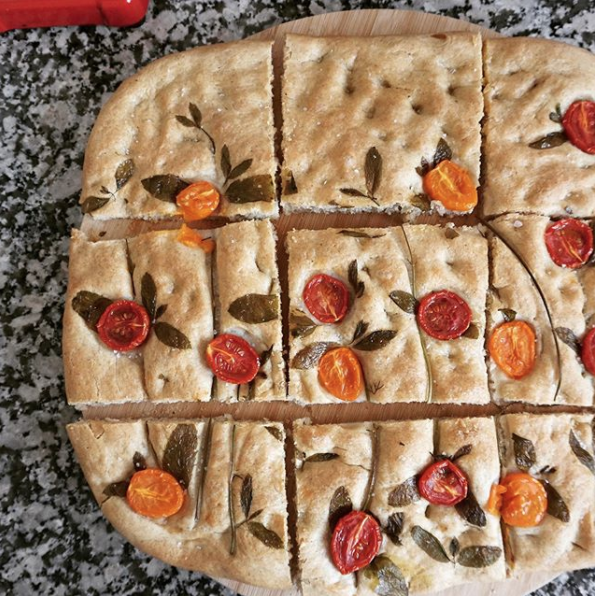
<point x="563" y="457"/>
<point x="204" y="114"/>
<point x="530" y="83"/>
<point x="344" y="96"/>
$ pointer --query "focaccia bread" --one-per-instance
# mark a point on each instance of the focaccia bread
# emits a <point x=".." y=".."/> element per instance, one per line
<point x="403" y="451"/>
<point x="344" y="96"/>
<point x="248" y="303"/>
<point x="563" y="456"/>
<point x="192" y="116"/>
<point x="529" y="82"/>
<point x="216" y="460"/>
<point x="514" y="294"/>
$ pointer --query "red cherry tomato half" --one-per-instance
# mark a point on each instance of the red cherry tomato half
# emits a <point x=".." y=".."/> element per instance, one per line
<point x="579" y="125"/>
<point x="327" y="298"/>
<point x="443" y="483"/>
<point x="232" y="359"/>
<point x="569" y="242"/>
<point x="124" y="325"/>
<point x="444" y="315"/>
<point x="355" y="542"/>
<point x="588" y="351"/>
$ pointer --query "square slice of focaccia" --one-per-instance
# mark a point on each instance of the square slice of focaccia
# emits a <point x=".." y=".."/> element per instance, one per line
<point x="558" y="450"/>
<point x="419" y="540"/>
<point x="389" y="98"/>
<point x="248" y="303"/>
<point x="213" y="461"/>
<point x="201" y="115"/>
<point x="530" y="84"/>
<point x="370" y="265"/>
<point x="514" y="295"/>
<point x="173" y="283"/>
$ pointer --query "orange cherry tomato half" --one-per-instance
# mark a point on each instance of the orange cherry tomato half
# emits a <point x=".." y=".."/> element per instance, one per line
<point x="512" y="347"/>
<point x="355" y="541"/>
<point x="569" y="242"/>
<point x="444" y="315"/>
<point x="588" y="351"/>
<point x="522" y="500"/>
<point x="443" y="483"/>
<point x="232" y="359"/>
<point x="340" y="373"/>
<point x="451" y="185"/>
<point x="124" y="325"/>
<point x="494" y="503"/>
<point x="579" y="125"/>
<point x="155" y="493"/>
<point x="327" y="298"/>
<point x="198" y="200"/>
<point x="193" y="239"/>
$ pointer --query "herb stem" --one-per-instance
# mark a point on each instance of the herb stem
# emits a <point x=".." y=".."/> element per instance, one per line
<point x="204" y="462"/>
<point x="211" y="140"/>
<point x="374" y="468"/>
<point x="232" y="524"/>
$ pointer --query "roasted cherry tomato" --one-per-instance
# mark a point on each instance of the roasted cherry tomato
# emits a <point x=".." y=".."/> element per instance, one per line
<point x="192" y="238"/>
<point x="512" y="346"/>
<point x="520" y="499"/>
<point x="124" y="325"/>
<point x="579" y="125"/>
<point x="588" y="351"/>
<point x="443" y="483"/>
<point x="327" y="298"/>
<point x="355" y="542"/>
<point x="198" y="200"/>
<point x="569" y="242"/>
<point x="451" y="185"/>
<point x="340" y="373"/>
<point x="232" y="359"/>
<point x="444" y="315"/>
<point x="155" y="493"/>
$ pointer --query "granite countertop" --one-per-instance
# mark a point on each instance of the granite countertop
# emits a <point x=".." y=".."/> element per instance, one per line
<point x="53" y="538"/>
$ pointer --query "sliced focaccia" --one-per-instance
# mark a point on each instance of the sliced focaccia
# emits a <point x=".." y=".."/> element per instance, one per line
<point x="348" y="276"/>
<point x="532" y="161"/>
<point x="531" y="372"/>
<point x="556" y="451"/>
<point x="137" y="321"/>
<point x="364" y="119"/>
<point x="248" y="303"/>
<point x="378" y="469"/>
<point x="201" y="115"/>
<point x="221" y="508"/>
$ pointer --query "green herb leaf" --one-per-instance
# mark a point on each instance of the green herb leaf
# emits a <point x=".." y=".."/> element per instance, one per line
<point x="309" y="356"/>
<point x="423" y="168"/>
<point x="240" y="169"/>
<point x="556" y="507"/>
<point x="404" y="494"/>
<point x="138" y="462"/>
<point x="443" y="152"/>
<point x="251" y="190"/>
<point x="569" y="338"/>
<point x="170" y="336"/>
<point x="90" y="307"/>
<point x="524" y="452"/>
<point x="124" y="172"/>
<point x="161" y="311"/>
<point x="557" y="115"/>
<point x="358" y="234"/>
<point x="470" y="510"/>
<point x="353" y="276"/>
<point x="255" y="308"/>
<point x="404" y="300"/>
<point x="508" y="314"/>
<point x="339" y="507"/>
<point x="91" y="204"/>
<point x="165" y="187"/>
<point x="276" y="432"/>
<point x="385" y="577"/>
<point x="321" y="457"/>
<point x="246" y="495"/>
<point x="553" y="139"/>
<point x="353" y="192"/>
<point x="148" y="291"/>
<point x="266" y="536"/>
<point x="290" y="187"/>
<point x="429" y="544"/>
<point x="186" y="122"/>
<point x="454" y="547"/>
<point x="180" y="452"/>
<point x="360" y="329"/>
<point x="372" y="170"/>
<point x="196" y="114"/>
<point x="300" y="324"/>
<point x="472" y="331"/>
<point x="394" y="527"/>
<point x="421" y="201"/>
<point x="375" y="340"/>
<point x="581" y="453"/>
<point x="116" y="489"/>
<point x="225" y="162"/>
<point x="479" y="556"/>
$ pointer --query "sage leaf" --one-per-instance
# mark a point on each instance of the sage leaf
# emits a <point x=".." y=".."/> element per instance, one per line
<point x="321" y="457"/>
<point x="553" y="139"/>
<point x="385" y="577"/>
<point x="454" y="547"/>
<point x="240" y="169"/>
<point x="265" y="356"/>
<point x="557" y="115"/>
<point x="300" y="324"/>
<point x="423" y="168"/>
<point x="116" y="489"/>
<point x="309" y="356"/>
<point x="266" y="536"/>
<point x="479" y="556"/>
<point x="372" y="170"/>
<point x="255" y="308"/>
<point x="246" y="495"/>
<point x="508" y="314"/>
<point x="339" y="507"/>
<point x="276" y="432"/>
<point x="290" y="187"/>
<point x="461" y="452"/>
<point x="394" y="527"/>
<point x="429" y="544"/>
<point x="251" y="190"/>
<point x="186" y="122"/>
<point x="581" y="453"/>
<point x="404" y="494"/>
<point x="360" y="330"/>
<point x="375" y="340"/>
<point x="171" y="337"/>
<point x="442" y="153"/>
<point x="569" y="338"/>
<point x="353" y="276"/>
<point x="421" y="202"/>
<point x="91" y="204"/>
<point x="165" y="187"/>
<point x="353" y="192"/>
<point x="90" y="306"/>
<point x="470" y="510"/>
<point x="138" y="462"/>
<point x="180" y="452"/>
<point x="472" y="331"/>
<point x="148" y="291"/>
<point x="225" y="162"/>
<point x="524" y="452"/>
<point x="196" y="114"/>
<point x="556" y="507"/>
<point x="124" y="172"/>
<point x="161" y="311"/>
<point x="358" y="234"/>
<point x="404" y="300"/>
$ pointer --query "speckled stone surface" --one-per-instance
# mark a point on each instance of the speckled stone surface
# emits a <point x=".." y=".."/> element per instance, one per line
<point x="53" y="539"/>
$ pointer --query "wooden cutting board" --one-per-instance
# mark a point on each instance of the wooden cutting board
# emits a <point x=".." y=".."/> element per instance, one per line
<point x="354" y="23"/>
